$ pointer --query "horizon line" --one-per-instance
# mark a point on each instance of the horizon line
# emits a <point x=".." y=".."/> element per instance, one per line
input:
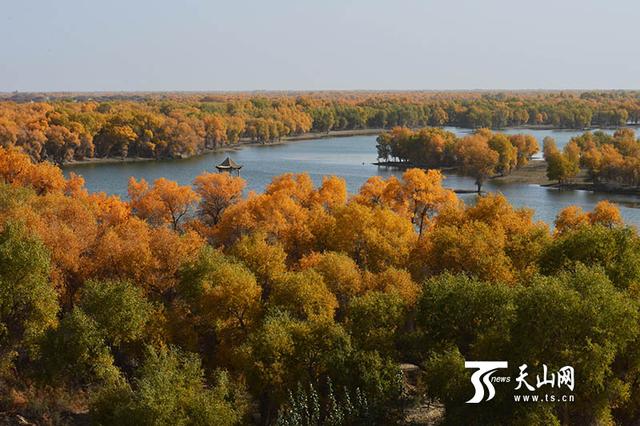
<point x="205" y="91"/>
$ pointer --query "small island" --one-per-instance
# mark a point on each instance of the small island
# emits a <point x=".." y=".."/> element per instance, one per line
<point x="481" y="155"/>
<point x="594" y="161"/>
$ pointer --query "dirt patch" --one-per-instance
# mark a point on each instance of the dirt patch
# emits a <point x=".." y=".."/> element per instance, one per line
<point x="534" y="172"/>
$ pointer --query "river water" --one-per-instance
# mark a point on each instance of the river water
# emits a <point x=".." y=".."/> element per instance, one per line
<point x="349" y="158"/>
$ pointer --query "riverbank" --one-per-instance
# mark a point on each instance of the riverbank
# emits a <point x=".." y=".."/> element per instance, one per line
<point x="535" y="173"/>
<point x="334" y="134"/>
<point x="304" y="137"/>
<point x="351" y="160"/>
<point x="596" y="187"/>
<point x="234" y="147"/>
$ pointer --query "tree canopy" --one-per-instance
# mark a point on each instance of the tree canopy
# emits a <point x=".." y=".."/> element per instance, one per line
<point x="67" y="127"/>
<point x="202" y="305"/>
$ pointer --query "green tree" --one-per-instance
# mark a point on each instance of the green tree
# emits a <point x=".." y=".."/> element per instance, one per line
<point x="170" y="389"/>
<point x="304" y="295"/>
<point x="579" y="318"/>
<point x="98" y="336"/>
<point x="323" y="119"/>
<point x="76" y="353"/>
<point x="28" y="301"/>
<point x="614" y="249"/>
<point x="285" y="351"/>
<point x="375" y="320"/>
<point x="119" y="308"/>
<point x="449" y="382"/>
<point x="561" y="168"/>
<point x="463" y="312"/>
<point x="221" y="289"/>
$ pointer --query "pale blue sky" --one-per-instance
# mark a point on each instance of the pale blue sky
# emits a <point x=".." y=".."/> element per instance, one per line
<point x="81" y="45"/>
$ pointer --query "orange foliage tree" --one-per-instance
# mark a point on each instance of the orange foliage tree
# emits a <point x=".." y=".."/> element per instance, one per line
<point x="165" y="202"/>
<point x="217" y="191"/>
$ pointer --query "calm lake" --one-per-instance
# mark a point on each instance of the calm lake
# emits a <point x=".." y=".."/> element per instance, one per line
<point x="349" y="158"/>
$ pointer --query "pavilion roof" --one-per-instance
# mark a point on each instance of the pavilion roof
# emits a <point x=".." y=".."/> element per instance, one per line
<point x="227" y="164"/>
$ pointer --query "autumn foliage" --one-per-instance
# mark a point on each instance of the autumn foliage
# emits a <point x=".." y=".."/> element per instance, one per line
<point x="187" y="304"/>
<point x="66" y="127"/>
<point x="480" y="155"/>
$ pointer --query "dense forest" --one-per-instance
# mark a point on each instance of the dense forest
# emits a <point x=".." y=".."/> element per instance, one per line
<point x="61" y="128"/>
<point x="299" y="305"/>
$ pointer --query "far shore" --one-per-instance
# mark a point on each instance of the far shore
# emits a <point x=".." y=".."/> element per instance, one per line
<point x="302" y="137"/>
<point x="234" y="147"/>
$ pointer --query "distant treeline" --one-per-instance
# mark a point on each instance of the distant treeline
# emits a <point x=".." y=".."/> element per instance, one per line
<point x="62" y="127"/>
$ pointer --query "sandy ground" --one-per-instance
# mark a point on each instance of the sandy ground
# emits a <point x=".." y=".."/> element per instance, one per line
<point x="535" y="172"/>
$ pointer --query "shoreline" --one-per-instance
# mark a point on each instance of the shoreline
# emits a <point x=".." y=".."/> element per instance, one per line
<point x="234" y="147"/>
<point x="306" y="136"/>
<point x="599" y="188"/>
<point x="533" y="173"/>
